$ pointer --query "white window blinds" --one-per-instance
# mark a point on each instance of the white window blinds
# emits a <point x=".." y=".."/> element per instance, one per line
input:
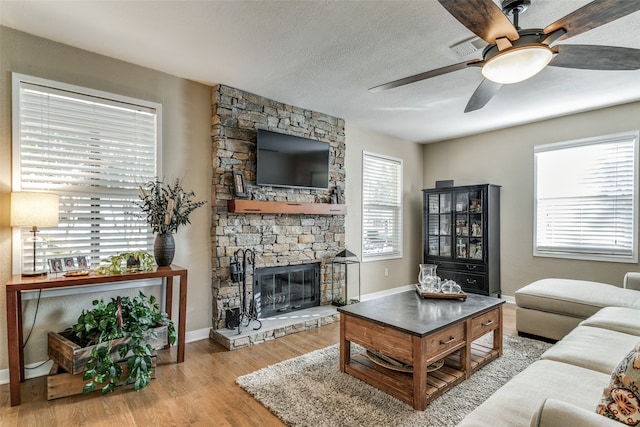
<point x="586" y="198"/>
<point x="381" y="207"/>
<point x="93" y="150"/>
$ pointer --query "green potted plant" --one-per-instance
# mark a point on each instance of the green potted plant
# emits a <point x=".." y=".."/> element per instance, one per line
<point x="167" y="207"/>
<point x="120" y="330"/>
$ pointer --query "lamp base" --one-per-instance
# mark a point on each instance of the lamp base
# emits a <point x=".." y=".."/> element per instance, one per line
<point x="34" y="273"/>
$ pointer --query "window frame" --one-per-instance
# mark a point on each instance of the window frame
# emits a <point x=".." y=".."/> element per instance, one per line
<point x="397" y="252"/>
<point x="78" y="93"/>
<point x="632" y="136"/>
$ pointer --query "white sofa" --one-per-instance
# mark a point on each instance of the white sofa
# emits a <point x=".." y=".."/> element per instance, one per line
<point x="551" y="308"/>
<point x="564" y="387"/>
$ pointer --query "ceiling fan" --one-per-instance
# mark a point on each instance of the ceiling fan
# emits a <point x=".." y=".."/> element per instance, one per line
<point x="516" y="54"/>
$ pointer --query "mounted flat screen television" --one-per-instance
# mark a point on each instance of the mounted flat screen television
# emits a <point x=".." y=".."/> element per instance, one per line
<point x="291" y="161"/>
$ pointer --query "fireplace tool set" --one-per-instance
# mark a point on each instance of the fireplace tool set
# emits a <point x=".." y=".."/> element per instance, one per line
<point x="238" y="270"/>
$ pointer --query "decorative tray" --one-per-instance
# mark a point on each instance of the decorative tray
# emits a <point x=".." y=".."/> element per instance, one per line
<point x="77" y="273"/>
<point x="423" y="294"/>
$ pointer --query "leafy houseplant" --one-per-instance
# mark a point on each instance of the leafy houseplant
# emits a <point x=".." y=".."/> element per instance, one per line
<point x="167" y="207"/>
<point x="132" y="318"/>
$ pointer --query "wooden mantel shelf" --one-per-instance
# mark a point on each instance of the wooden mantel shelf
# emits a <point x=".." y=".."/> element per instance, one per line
<point x="258" y="206"/>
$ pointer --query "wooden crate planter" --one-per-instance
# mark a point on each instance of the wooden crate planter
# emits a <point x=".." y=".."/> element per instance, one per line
<point x="63" y="384"/>
<point x="72" y="358"/>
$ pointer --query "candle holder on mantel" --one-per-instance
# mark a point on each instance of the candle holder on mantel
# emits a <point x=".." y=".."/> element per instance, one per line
<point x="341" y="292"/>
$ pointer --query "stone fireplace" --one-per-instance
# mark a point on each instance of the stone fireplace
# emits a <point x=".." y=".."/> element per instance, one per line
<point x="278" y="240"/>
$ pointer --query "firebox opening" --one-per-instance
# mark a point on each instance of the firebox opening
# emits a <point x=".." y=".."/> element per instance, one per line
<point x="279" y="290"/>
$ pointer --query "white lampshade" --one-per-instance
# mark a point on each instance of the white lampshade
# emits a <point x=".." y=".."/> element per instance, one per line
<point x="30" y="209"/>
<point x="517" y="64"/>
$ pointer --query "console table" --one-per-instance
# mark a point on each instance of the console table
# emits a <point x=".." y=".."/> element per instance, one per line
<point x="19" y="284"/>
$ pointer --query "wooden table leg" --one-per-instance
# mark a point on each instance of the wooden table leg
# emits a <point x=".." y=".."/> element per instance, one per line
<point x="168" y="298"/>
<point x="182" y="316"/>
<point x="497" y="334"/>
<point x="345" y="346"/>
<point x="419" y="374"/>
<point x="20" y="334"/>
<point x="13" y="336"/>
<point x="465" y="352"/>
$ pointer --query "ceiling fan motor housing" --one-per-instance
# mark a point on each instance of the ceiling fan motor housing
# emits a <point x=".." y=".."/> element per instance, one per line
<point x="528" y="37"/>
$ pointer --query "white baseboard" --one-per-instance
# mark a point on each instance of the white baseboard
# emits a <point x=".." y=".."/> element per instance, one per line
<point x="386" y="292"/>
<point x="43" y="370"/>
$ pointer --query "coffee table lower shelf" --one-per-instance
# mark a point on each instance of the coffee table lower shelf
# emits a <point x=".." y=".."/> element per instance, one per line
<point x="400" y="384"/>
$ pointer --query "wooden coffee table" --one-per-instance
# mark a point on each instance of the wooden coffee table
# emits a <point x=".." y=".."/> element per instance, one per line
<point x="419" y="332"/>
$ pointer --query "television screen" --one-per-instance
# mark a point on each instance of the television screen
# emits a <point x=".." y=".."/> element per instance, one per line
<point x="291" y="161"/>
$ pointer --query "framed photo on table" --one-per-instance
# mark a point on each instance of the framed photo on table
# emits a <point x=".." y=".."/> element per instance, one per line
<point x="66" y="263"/>
<point x="55" y="265"/>
<point x="238" y="184"/>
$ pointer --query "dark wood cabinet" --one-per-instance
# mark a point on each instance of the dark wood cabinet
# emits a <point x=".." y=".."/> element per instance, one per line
<point x="462" y="235"/>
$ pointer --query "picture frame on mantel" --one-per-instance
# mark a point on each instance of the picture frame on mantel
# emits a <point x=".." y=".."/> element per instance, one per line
<point x="239" y="187"/>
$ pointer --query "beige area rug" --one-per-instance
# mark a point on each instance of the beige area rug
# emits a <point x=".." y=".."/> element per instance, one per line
<point x="310" y="390"/>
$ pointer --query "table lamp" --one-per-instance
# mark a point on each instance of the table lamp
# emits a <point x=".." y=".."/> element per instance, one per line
<point x="34" y="210"/>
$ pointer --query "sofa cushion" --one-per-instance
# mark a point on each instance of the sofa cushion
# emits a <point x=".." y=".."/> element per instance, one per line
<point x="592" y="348"/>
<point x="579" y="298"/>
<point x="515" y="403"/>
<point x="619" y="319"/>
<point x="556" y="413"/>
<point x="621" y="398"/>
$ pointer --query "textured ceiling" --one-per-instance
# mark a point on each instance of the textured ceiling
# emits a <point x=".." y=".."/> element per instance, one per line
<point x="324" y="55"/>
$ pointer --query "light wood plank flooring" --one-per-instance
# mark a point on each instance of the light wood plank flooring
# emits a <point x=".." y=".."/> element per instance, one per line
<point x="199" y="392"/>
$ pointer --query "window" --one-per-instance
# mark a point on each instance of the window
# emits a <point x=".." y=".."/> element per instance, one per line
<point x="381" y="207"/>
<point x="586" y="199"/>
<point x="94" y="150"/>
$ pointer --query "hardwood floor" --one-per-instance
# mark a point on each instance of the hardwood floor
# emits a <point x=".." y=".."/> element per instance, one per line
<point x="199" y="392"/>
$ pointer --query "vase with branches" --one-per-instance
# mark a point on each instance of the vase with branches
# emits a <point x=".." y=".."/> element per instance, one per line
<point x="166" y="207"/>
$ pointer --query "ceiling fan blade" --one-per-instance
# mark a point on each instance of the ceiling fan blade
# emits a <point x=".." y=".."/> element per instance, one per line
<point x="482" y="95"/>
<point x="426" y="75"/>
<point x="482" y="17"/>
<point x="590" y="57"/>
<point x="593" y="15"/>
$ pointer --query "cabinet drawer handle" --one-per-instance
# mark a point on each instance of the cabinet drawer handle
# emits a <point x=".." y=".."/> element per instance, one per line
<point x="490" y="322"/>
<point x="471" y="281"/>
<point x="253" y="210"/>
<point x="471" y="267"/>
<point x="451" y="339"/>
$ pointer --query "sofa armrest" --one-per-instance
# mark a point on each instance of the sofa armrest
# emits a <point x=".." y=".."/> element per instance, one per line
<point x="632" y="281"/>
<point x="556" y="413"/>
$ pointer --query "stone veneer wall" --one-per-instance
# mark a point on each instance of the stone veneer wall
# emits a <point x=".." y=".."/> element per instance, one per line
<point x="276" y="239"/>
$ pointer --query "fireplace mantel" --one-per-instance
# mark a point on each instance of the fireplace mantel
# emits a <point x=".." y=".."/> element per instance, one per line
<point x="267" y="207"/>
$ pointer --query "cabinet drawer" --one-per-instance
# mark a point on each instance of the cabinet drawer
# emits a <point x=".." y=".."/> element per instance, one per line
<point x="443" y="342"/>
<point x="484" y="323"/>
<point x="468" y="282"/>
<point x="462" y="267"/>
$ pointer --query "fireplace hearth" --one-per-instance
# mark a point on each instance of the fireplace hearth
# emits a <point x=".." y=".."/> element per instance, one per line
<point x="280" y="290"/>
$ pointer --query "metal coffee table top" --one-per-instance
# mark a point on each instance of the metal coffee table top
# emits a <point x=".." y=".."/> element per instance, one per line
<point x="408" y="312"/>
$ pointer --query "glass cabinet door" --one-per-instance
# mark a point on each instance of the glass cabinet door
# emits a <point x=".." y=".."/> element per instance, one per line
<point x="439" y="224"/>
<point x="468" y="226"/>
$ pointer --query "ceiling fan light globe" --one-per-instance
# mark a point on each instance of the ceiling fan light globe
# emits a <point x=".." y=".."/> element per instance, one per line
<point x="517" y="64"/>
